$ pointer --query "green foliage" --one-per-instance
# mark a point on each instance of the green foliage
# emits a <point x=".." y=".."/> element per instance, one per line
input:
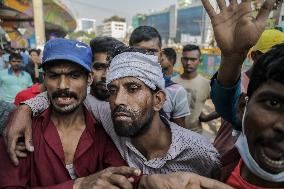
<point x="115" y="18"/>
<point x="83" y="36"/>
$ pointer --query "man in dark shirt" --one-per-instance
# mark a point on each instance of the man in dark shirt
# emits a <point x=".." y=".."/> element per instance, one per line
<point x="33" y="66"/>
<point x="70" y="145"/>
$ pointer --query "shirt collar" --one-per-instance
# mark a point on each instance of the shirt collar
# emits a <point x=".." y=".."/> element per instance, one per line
<point x="35" y="88"/>
<point x="10" y="72"/>
<point x="172" y="153"/>
<point x="89" y="119"/>
<point x="52" y="137"/>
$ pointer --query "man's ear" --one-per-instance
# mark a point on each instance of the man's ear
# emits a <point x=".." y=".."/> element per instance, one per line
<point x="241" y="106"/>
<point x="90" y="78"/>
<point x="159" y="100"/>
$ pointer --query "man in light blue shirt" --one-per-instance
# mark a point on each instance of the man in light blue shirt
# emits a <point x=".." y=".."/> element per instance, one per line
<point x="14" y="79"/>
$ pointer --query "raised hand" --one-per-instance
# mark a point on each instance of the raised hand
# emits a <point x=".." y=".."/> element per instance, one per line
<point x="235" y="28"/>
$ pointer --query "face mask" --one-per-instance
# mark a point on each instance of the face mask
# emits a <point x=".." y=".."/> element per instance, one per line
<point x="242" y="146"/>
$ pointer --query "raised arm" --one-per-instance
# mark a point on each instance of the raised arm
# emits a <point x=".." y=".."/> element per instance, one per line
<point x="236" y="31"/>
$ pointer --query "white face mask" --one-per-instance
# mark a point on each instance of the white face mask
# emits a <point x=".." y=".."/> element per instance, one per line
<point x="242" y="146"/>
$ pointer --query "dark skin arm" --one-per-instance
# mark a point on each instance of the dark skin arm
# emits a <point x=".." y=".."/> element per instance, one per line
<point x="236" y="31"/>
<point x="19" y="125"/>
<point x="180" y="180"/>
<point x="209" y="117"/>
<point x="179" y="121"/>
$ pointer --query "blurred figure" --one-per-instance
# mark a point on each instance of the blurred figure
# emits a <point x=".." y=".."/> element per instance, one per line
<point x="14" y="79"/>
<point x="24" y="55"/>
<point x="33" y="66"/>
<point x="168" y="60"/>
<point x="3" y="64"/>
<point x="5" y="109"/>
<point x="197" y="87"/>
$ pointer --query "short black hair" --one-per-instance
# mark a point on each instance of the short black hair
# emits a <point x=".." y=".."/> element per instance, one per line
<point x="105" y="45"/>
<point x="191" y="47"/>
<point x="270" y="66"/>
<point x="17" y="56"/>
<point x="124" y="49"/>
<point x="144" y="33"/>
<point x="170" y="54"/>
<point x="37" y="51"/>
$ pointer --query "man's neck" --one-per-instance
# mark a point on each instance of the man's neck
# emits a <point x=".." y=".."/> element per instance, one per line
<point x="68" y="121"/>
<point x="189" y="76"/>
<point x="251" y="178"/>
<point x="16" y="72"/>
<point x="156" y="141"/>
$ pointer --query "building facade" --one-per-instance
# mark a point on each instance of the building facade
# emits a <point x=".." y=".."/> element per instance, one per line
<point x="186" y="22"/>
<point x="18" y="22"/>
<point x="86" y="24"/>
<point x="113" y="29"/>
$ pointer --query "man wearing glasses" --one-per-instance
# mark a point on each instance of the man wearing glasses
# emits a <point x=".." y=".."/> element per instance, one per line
<point x="197" y="87"/>
<point x="14" y="79"/>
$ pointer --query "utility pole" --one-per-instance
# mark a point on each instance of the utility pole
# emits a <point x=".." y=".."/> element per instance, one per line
<point x="39" y="22"/>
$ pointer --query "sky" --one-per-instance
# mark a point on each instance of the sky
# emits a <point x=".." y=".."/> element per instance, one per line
<point x="101" y="9"/>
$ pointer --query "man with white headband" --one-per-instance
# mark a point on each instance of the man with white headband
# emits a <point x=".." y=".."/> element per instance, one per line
<point x="146" y="139"/>
<point x="257" y="162"/>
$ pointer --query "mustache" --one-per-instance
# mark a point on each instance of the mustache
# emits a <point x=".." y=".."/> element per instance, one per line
<point x="121" y="109"/>
<point x="64" y="93"/>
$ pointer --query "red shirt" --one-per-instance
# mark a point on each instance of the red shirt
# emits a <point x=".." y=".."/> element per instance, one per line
<point x="236" y="181"/>
<point x="27" y="94"/>
<point x="45" y="167"/>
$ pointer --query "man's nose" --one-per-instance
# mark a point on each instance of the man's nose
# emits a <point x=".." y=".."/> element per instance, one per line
<point x="121" y="98"/>
<point x="63" y="82"/>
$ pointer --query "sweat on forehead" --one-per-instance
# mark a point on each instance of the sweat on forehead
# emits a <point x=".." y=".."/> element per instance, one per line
<point x="135" y="64"/>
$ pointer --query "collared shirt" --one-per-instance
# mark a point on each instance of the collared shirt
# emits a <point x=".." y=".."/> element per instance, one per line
<point x="10" y="84"/>
<point x="27" y="94"/>
<point x="46" y="167"/>
<point x="235" y="180"/>
<point x="188" y="151"/>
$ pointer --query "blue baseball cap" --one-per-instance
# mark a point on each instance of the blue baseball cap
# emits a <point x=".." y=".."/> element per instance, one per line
<point x="67" y="49"/>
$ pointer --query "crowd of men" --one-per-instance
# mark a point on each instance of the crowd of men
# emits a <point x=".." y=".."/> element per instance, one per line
<point x="108" y="115"/>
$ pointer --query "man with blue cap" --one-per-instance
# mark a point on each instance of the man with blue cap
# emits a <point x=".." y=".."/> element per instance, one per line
<point x="69" y="144"/>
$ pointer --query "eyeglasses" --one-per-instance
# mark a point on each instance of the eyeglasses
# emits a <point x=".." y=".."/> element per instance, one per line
<point x="186" y="59"/>
<point x="100" y="65"/>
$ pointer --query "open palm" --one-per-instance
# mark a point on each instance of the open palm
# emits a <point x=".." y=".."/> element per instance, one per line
<point x="235" y="28"/>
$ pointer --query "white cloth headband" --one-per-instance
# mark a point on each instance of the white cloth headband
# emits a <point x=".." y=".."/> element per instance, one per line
<point x="135" y="64"/>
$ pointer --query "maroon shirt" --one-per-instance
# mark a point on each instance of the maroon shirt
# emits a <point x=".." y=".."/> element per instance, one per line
<point x="45" y="167"/>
